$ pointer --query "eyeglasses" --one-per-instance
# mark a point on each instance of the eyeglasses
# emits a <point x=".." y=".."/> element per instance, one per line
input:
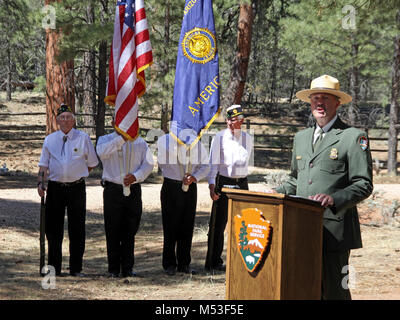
<point x="65" y="118"/>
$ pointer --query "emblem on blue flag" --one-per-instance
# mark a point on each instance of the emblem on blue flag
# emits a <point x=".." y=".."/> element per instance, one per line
<point x="199" y="45"/>
<point x="196" y="90"/>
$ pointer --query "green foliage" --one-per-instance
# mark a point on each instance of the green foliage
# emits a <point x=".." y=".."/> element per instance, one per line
<point x="293" y="41"/>
<point x="243" y="241"/>
<point x="40" y="84"/>
<point x="79" y="33"/>
<point x="325" y="46"/>
<point x="23" y="37"/>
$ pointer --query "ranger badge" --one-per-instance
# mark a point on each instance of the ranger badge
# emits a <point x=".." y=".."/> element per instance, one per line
<point x="334" y="154"/>
<point x="252" y="232"/>
<point x="363" y="141"/>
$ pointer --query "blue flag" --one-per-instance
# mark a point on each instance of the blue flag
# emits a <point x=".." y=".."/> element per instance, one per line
<point x="197" y="82"/>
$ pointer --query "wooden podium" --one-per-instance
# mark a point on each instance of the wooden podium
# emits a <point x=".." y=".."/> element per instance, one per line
<point x="290" y="266"/>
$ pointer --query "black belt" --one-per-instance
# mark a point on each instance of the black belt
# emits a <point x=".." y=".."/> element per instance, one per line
<point x="68" y="184"/>
<point x="106" y="183"/>
<point x="228" y="180"/>
<point x="172" y="180"/>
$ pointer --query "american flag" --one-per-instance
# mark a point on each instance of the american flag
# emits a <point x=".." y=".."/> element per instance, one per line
<point x="131" y="54"/>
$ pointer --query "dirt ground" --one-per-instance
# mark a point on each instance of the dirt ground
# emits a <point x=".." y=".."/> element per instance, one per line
<point x="375" y="269"/>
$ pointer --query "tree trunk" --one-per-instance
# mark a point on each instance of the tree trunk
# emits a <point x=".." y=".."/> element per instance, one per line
<point x="274" y="66"/>
<point x="293" y="86"/>
<point x="59" y="79"/>
<point x="102" y="85"/>
<point x="353" y="107"/>
<point x="89" y="80"/>
<point x="167" y="26"/>
<point x="9" y="72"/>
<point x="240" y="64"/>
<point x="394" y="105"/>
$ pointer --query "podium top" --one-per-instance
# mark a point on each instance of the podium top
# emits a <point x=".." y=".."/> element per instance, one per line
<point x="239" y="193"/>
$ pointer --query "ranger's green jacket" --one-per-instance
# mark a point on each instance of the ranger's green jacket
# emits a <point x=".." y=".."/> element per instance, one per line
<point x="341" y="167"/>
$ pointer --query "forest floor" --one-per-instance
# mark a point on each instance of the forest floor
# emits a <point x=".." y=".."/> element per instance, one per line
<point x="375" y="268"/>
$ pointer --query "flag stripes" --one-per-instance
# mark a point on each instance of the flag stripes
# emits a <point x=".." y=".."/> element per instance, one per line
<point x="131" y="54"/>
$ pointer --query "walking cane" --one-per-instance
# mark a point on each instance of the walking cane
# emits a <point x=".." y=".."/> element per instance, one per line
<point x="42" y="228"/>
<point x="211" y="231"/>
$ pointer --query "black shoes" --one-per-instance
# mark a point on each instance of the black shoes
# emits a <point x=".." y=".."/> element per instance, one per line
<point x="220" y="267"/>
<point x="112" y="275"/>
<point x="187" y="269"/>
<point x="125" y="274"/>
<point x="170" y="271"/>
<point x="129" y="274"/>
<point x="77" y="274"/>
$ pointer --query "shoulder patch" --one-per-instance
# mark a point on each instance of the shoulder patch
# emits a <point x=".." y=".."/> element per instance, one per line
<point x="363" y="141"/>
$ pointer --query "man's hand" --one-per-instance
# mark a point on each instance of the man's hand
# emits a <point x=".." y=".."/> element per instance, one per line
<point x="189" y="179"/>
<point x="326" y="200"/>
<point x="41" y="191"/>
<point x="41" y="187"/>
<point x="214" y="196"/>
<point x="129" y="179"/>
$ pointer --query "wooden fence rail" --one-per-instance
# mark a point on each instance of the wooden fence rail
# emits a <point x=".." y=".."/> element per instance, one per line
<point x="262" y="141"/>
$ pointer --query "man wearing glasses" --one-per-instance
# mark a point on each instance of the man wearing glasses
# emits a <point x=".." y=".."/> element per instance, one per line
<point x="67" y="158"/>
<point x="229" y="159"/>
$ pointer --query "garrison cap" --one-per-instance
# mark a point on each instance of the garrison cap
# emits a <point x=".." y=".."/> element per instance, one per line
<point x="234" y="111"/>
<point x="63" y="108"/>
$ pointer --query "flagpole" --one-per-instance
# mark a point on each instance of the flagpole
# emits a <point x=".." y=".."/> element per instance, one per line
<point x="188" y="169"/>
<point x="125" y="189"/>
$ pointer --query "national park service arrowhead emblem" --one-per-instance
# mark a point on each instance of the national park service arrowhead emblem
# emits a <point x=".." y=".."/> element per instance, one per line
<point x="252" y="232"/>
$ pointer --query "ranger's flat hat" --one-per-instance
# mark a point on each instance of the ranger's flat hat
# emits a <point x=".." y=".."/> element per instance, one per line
<point x="324" y="84"/>
<point x="234" y="111"/>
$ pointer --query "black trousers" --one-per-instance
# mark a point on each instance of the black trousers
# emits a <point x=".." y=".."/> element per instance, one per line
<point x="58" y="198"/>
<point x="335" y="268"/>
<point x="216" y="241"/>
<point x="178" y="210"/>
<point x="122" y="217"/>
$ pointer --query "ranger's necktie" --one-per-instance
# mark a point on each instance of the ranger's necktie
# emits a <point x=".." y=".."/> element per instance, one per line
<point x="319" y="138"/>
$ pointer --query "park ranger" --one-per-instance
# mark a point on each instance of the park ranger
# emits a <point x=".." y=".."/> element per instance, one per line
<point x="331" y="163"/>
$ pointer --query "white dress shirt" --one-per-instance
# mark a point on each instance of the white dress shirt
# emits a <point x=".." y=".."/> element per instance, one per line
<point x="172" y="159"/>
<point x="136" y="158"/>
<point x="230" y="155"/>
<point x="324" y="129"/>
<point x="70" y="163"/>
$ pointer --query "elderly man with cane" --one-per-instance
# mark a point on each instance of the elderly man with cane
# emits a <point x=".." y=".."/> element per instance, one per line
<point x="67" y="157"/>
